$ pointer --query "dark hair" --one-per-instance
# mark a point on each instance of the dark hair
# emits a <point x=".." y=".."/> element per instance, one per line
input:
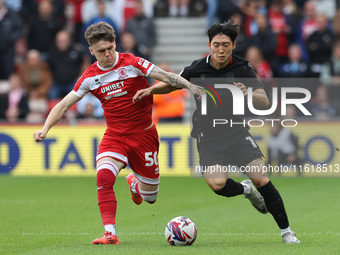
<point x="227" y="28"/>
<point x="100" y="31"/>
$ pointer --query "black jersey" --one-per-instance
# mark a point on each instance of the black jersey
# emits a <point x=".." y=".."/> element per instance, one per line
<point x="219" y="101"/>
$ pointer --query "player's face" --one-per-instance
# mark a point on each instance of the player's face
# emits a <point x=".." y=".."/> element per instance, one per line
<point x="221" y="48"/>
<point x="105" y="53"/>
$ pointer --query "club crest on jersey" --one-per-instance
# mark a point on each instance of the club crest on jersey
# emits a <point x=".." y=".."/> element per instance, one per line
<point x="122" y="73"/>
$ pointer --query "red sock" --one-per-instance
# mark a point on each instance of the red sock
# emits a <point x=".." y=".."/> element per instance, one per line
<point x="106" y="196"/>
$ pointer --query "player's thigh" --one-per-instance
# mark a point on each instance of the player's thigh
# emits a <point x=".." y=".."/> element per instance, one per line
<point x="257" y="173"/>
<point x="143" y="157"/>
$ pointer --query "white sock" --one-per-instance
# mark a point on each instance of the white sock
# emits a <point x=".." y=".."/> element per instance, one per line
<point x="246" y="188"/>
<point x="183" y="11"/>
<point x="111" y="228"/>
<point x="173" y="11"/>
<point x="286" y="230"/>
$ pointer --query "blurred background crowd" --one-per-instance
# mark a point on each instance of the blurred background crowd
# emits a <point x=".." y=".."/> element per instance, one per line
<point x="43" y="51"/>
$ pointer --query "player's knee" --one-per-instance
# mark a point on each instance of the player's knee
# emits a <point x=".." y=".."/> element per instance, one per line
<point x="259" y="182"/>
<point x="216" y="184"/>
<point x="149" y="196"/>
<point x="106" y="174"/>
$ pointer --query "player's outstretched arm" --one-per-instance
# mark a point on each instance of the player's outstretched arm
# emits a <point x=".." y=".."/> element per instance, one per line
<point x="55" y="115"/>
<point x="260" y="99"/>
<point x="175" y="81"/>
<point x="159" y="88"/>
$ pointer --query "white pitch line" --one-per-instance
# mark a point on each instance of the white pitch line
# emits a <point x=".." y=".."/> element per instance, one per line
<point x="155" y="233"/>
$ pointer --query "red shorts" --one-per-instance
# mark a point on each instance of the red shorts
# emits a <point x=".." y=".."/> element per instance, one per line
<point x="139" y="151"/>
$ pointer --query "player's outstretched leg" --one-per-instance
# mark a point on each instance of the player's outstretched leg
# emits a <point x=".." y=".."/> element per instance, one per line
<point x="133" y="185"/>
<point x="227" y="187"/>
<point x="108" y="238"/>
<point x="276" y="207"/>
<point x="254" y="197"/>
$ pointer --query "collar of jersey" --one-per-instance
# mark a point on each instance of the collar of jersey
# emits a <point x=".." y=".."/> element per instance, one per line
<point x="105" y="69"/>
<point x="208" y="57"/>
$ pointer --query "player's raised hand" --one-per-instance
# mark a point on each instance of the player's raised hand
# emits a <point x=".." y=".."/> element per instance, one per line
<point x="141" y="94"/>
<point x="242" y="87"/>
<point x="39" y="136"/>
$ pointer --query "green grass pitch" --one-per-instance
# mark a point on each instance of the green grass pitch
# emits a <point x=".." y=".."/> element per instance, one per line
<point x="56" y="215"/>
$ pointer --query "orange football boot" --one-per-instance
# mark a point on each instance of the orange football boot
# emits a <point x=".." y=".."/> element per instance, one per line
<point x="131" y="179"/>
<point x="108" y="238"/>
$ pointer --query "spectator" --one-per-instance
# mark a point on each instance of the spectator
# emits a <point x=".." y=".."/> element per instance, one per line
<point x="336" y="25"/>
<point x="75" y="18"/>
<point x="280" y="28"/>
<point x="10" y="32"/>
<point x="14" y="5"/>
<point x="225" y="10"/>
<point x="30" y="9"/>
<point x="264" y="38"/>
<point x="261" y="66"/>
<point x="66" y="65"/>
<point x="43" y="28"/>
<point x="129" y="45"/>
<point x="212" y="7"/>
<point x="325" y="7"/>
<point x="250" y="10"/>
<point x="121" y="11"/>
<point x="292" y="10"/>
<point x="292" y="15"/>
<point x="283" y="146"/>
<point x="100" y="15"/>
<point x="168" y="108"/>
<point x="36" y="76"/>
<point x="178" y="7"/>
<point x="89" y="108"/>
<point x="143" y="29"/>
<point x="319" y="45"/>
<point x="295" y="67"/>
<point x="330" y="72"/>
<point x="14" y="103"/>
<point x="242" y="41"/>
<point x="306" y="27"/>
<point x="322" y="108"/>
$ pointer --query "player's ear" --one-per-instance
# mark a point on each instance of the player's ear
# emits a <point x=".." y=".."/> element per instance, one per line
<point x="209" y="45"/>
<point x="234" y="45"/>
<point x="91" y="51"/>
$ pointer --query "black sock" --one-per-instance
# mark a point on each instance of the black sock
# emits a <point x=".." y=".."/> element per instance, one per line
<point x="230" y="189"/>
<point x="274" y="204"/>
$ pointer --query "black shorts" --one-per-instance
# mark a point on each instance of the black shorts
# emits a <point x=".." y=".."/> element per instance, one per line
<point x="243" y="150"/>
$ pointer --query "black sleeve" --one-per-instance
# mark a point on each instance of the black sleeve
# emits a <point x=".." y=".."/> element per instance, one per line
<point x="252" y="80"/>
<point x="185" y="73"/>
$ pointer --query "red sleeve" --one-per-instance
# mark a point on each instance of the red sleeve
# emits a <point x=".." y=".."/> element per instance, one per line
<point x="143" y="65"/>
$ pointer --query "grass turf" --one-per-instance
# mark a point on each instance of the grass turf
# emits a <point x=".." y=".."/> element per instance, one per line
<point x="57" y="215"/>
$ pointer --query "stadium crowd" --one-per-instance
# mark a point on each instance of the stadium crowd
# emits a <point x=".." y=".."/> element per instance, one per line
<point x="43" y="51"/>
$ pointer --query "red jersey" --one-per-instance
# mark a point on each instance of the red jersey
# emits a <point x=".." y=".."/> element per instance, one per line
<point x="115" y="88"/>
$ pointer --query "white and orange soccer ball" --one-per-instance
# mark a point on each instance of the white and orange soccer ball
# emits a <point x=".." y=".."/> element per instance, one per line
<point x="180" y="231"/>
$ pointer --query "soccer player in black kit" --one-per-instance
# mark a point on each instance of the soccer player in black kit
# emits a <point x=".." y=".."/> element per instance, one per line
<point x="232" y="144"/>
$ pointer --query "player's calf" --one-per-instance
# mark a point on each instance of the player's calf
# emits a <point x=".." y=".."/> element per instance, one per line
<point x="149" y="196"/>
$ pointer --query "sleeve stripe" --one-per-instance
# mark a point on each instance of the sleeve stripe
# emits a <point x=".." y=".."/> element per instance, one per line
<point x="149" y="70"/>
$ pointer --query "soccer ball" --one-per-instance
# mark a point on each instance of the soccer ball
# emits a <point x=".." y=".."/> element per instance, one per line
<point x="180" y="231"/>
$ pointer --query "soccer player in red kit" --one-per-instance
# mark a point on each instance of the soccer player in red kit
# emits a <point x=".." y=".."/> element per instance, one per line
<point x="131" y="137"/>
